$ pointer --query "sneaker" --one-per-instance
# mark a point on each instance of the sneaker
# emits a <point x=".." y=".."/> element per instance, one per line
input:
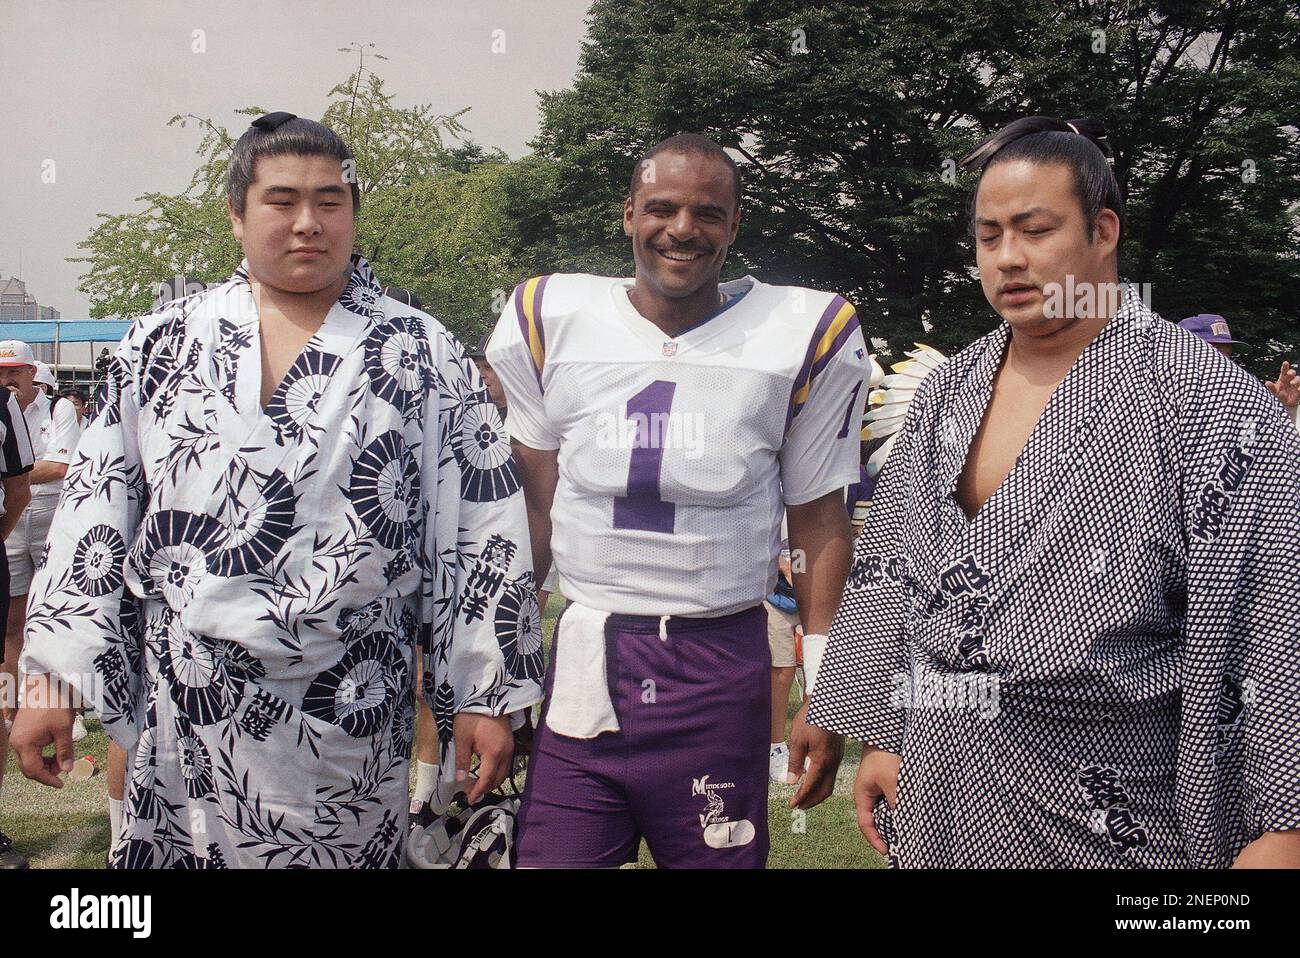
<point x="778" y="765"/>
<point x="78" y="728"/>
<point x="10" y="859"/>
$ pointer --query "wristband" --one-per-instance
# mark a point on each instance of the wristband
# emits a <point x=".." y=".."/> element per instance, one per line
<point x="813" y="648"/>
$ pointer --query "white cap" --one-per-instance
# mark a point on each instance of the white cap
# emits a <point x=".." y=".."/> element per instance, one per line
<point x="44" y="374"/>
<point x="14" y="352"/>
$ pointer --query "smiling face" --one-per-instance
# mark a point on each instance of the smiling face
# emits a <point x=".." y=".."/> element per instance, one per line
<point x="297" y="228"/>
<point x="1030" y="233"/>
<point x="682" y="224"/>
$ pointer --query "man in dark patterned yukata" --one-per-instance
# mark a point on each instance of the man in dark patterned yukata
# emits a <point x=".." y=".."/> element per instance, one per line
<point x="1068" y="638"/>
<point x="292" y="482"/>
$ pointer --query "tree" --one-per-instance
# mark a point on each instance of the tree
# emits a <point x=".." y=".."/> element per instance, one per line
<point x="458" y="239"/>
<point x="849" y="118"/>
<point x="186" y="234"/>
<point x="424" y="205"/>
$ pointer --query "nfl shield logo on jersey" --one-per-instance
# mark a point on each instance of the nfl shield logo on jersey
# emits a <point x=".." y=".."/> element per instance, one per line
<point x="670" y="350"/>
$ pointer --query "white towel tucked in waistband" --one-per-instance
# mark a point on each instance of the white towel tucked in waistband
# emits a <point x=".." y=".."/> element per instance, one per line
<point x="580" y="705"/>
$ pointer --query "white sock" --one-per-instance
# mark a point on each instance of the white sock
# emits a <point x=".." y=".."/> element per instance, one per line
<point x="114" y="823"/>
<point x="426" y="781"/>
<point x="776" y="745"/>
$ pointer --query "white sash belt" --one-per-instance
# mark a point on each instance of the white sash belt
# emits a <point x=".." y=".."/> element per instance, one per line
<point x="580" y="706"/>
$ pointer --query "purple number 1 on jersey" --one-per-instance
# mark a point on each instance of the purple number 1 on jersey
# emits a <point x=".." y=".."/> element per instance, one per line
<point x="642" y="508"/>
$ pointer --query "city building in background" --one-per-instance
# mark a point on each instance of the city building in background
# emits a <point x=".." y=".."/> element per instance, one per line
<point x="70" y="347"/>
<point x="19" y="306"/>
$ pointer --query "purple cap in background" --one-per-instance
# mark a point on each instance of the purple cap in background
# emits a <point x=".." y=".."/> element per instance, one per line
<point x="1211" y="328"/>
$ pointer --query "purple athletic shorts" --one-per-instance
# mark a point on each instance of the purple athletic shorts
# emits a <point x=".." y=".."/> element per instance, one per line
<point x="687" y="769"/>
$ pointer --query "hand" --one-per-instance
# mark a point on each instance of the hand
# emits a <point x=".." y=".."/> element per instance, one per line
<point x="36" y="727"/>
<point x="489" y="737"/>
<point x="1286" y="387"/>
<point x="823" y="749"/>
<point x="877" y="775"/>
<point x="1271" y="850"/>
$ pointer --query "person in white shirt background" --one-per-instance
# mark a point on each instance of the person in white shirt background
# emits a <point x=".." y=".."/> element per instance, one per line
<point x="44" y="379"/>
<point x="54" y="431"/>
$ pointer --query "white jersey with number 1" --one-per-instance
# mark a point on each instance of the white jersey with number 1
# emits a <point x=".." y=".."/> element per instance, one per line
<point x="678" y="455"/>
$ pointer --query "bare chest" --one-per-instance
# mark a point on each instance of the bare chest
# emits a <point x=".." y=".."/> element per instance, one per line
<point x="1008" y="422"/>
<point x="282" y="343"/>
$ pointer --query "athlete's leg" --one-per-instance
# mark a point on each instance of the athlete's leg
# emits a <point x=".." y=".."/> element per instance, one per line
<point x="698" y="746"/>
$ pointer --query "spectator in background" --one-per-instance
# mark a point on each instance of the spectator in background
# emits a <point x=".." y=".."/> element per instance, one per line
<point x="15" y="465"/>
<point x="858" y="496"/>
<point x="404" y="296"/>
<point x="498" y="394"/>
<point x="78" y="401"/>
<point x="54" y="433"/>
<point x="1287" y="390"/>
<point x="1214" y="330"/>
<point x="45" y="380"/>
<point x="782" y="620"/>
<point x="47" y="383"/>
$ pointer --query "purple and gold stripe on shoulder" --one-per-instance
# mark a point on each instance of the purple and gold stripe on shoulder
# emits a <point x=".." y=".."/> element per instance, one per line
<point x="528" y="308"/>
<point x="836" y="325"/>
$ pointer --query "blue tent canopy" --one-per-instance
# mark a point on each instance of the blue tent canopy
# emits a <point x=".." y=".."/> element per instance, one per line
<point x="79" y="331"/>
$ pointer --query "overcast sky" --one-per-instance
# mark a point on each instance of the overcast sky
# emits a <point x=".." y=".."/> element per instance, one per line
<point x="90" y="84"/>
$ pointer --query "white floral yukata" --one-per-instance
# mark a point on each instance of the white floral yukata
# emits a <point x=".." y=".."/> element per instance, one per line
<point x="1102" y="669"/>
<point x="240" y="591"/>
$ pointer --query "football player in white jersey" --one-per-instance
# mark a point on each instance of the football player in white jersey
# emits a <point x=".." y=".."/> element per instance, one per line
<point x="663" y="424"/>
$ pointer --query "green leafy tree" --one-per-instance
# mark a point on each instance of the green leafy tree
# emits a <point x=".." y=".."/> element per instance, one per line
<point x="850" y="117"/>
<point x="188" y="233"/>
<point x="410" y="180"/>
<point x="459" y="239"/>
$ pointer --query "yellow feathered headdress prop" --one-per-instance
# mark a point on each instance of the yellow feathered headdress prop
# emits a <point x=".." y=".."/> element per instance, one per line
<point x="890" y="397"/>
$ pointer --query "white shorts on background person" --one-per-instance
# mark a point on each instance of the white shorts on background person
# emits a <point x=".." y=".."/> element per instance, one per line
<point x="26" y="544"/>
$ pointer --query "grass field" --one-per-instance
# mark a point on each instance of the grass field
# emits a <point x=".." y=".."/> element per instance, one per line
<point x="69" y="828"/>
